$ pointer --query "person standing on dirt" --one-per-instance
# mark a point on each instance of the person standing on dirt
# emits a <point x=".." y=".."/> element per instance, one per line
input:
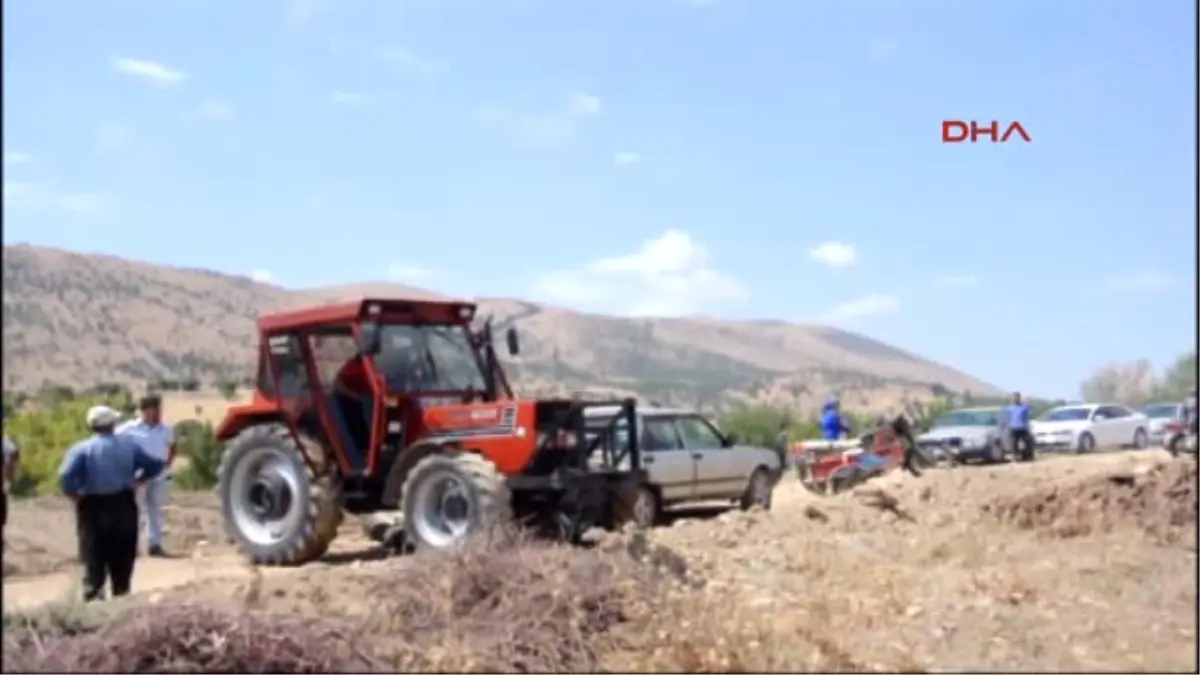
<point x="99" y="474"/>
<point x="12" y="463"/>
<point x="1019" y="438"/>
<point x="832" y="424"/>
<point x="783" y="446"/>
<point x="157" y="440"/>
<point x="1190" y="415"/>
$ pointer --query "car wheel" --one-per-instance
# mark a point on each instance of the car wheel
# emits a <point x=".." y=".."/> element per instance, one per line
<point x="758" y="491"/>
<point x="1086" y="443"/>
<point x="1139" y="439"/>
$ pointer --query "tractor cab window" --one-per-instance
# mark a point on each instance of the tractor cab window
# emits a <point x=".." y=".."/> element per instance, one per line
<point x="291" y="374"/>
<point x="332" y="349"/>
<point x="427" y="358"/>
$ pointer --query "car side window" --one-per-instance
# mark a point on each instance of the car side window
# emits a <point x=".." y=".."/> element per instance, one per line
<point x="660" y="435"/>
<point x="698" y="434"/>
<point x="1116" y="411"/>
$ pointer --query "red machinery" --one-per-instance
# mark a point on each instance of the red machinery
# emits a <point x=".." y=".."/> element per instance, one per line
<point x="829" y="467"/>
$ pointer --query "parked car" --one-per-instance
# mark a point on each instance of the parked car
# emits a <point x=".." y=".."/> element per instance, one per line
<point x="688" y="459"/>
<point x="1086" y="426"/>
<point x="966" y="435"/>
<point x="1158" y="415"/>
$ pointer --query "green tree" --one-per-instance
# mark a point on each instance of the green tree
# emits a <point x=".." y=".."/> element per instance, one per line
<point x="198" y="445"/>
<point x="227" y="388"/>
<point x="1179" y="378"/>
<point x="44" y="433"/>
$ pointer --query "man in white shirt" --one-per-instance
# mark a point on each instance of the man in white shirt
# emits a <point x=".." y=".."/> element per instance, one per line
<point x="157" y="439"/>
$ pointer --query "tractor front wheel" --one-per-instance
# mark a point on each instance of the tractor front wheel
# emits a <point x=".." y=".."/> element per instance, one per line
<point x="449" y="496"/>
<point x="276" y="508"/>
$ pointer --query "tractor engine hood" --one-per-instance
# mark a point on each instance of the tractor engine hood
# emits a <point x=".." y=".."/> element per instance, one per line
<point x="473" y="419"/>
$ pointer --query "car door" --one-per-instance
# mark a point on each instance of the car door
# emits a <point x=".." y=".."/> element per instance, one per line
<point x="671" y="467"/>
<point x="1125" y="423"/>
<point x="1109" y="426"/>
<point x="718" y="473"/>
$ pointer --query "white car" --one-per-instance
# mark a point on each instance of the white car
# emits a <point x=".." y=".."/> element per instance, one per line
<point x="1159" y="415"/>
<point x="1086" y="426"/>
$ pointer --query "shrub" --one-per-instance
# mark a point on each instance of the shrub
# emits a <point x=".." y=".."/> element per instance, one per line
<point x="196" y="442"/>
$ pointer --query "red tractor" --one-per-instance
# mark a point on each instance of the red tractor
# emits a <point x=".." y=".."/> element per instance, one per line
<point x="399" y="405"/>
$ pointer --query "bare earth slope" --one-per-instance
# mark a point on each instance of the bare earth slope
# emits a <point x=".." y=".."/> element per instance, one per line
<point x="1070" y="564"/>
<point x="82" y="319"/>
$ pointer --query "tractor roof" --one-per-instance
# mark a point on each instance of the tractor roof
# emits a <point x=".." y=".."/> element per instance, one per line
<point x="395" y="309"/>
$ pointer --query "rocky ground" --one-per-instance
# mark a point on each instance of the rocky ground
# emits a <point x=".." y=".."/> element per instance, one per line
<point x="1069" y="564"/>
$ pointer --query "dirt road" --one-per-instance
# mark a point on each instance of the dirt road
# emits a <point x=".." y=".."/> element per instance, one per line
<point x="1072" y="563"/>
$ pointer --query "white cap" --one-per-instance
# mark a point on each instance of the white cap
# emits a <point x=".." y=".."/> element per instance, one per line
<point x="102" y="416"/>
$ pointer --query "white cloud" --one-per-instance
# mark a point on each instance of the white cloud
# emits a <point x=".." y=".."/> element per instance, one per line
<point x="867" y="305"/>
<point x="670" y="275"/>
<point x="400" y="272"/>
<point x="17" y="158"/>
<point x="350" y="98"/>
<point x="959" y="280"/>
<point x="150" y="71"/>
<point x="626" y="158"/>
<point x="411" y="61"/>
<point x="30" y="196"/>
<point x="1151" y="281"/>
<point x="552" y="127"/>
<point x="833" y="253"/>
<point x="112" y="137"/>
<point x="214" y="111"/>
<point x="261" y="276"/>
<point x="583" y="103"/>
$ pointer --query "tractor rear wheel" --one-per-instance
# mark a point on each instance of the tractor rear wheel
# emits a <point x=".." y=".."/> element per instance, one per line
<point x="276" y="508"/>
<point x="450" y="496"/>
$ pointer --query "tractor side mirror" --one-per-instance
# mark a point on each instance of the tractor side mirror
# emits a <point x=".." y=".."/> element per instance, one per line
<point x="514" y="343"/>
<point x="369" y="340"/>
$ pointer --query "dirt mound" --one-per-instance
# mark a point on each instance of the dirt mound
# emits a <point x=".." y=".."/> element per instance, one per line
<point x="1159" y="500"/>
<point x="509" y="606"/>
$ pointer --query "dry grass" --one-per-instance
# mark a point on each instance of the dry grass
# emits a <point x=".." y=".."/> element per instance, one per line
<point x="905" y="575"/>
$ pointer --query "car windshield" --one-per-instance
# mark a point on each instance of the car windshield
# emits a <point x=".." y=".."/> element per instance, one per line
<point x="427" y="359"/>
<point x="1066" y="414"/>
<point x="969" y="418"/>
<point x="1161" y="411"/>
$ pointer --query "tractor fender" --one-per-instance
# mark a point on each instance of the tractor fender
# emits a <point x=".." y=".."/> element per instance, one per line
<point x="236" y="420"/>
<point x="407" y="459"/>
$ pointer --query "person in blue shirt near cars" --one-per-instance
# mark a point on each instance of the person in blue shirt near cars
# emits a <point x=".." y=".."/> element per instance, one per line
<point x="832" y="424"/>
<point x="1017" y="424"/>
<point x="99" y="474"/>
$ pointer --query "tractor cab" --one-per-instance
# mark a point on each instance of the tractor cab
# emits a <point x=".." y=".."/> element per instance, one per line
<point x="362" y="376"/>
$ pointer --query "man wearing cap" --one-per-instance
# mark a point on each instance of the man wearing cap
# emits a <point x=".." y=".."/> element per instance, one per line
<point x="158" y="440"/>
<point x="99" y="475"/>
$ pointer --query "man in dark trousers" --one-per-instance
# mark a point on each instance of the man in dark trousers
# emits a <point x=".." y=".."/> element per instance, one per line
<point x="1017" y="423"/>
<point x="783" y="447"/>
<point x="99" y="474"/>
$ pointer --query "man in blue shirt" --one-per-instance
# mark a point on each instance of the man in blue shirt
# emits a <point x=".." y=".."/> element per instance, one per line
<point x="832" y="425"/>
<point x="99" y="474"/>
<point x="1017" y="422"/>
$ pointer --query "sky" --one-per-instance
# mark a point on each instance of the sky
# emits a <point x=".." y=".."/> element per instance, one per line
<point x="766" y="159"/>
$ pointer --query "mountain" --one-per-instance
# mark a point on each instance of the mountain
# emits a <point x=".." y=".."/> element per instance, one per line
<point x="82" y="319"/>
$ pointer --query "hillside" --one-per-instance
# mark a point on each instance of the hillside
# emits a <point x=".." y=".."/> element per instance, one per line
<point x="81" y="319"/>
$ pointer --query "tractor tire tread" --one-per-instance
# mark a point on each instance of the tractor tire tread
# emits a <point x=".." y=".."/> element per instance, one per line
<point x="324" y="513"/>
<point x="490" y="486"/>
